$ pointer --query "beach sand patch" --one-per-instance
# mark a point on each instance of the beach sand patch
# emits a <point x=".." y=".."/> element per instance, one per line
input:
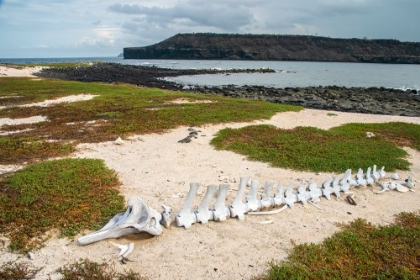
<point x="49" y="102"/>
<point x="187" y="101"/>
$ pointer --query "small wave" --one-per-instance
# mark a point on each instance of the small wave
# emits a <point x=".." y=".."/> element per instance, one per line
<point x="404" y="88"/>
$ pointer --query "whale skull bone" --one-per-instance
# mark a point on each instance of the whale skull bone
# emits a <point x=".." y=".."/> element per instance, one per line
<point x="139" y="217"/>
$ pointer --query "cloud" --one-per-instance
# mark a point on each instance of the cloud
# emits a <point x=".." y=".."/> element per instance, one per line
<point x="212" y="14"/>
<point x="86" y="27"/>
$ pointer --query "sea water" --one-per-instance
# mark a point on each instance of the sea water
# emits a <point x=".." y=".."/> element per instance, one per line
<point x="287" y="74"/>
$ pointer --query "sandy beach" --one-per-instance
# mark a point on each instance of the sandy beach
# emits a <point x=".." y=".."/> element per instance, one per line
<point x="158" y="169"/>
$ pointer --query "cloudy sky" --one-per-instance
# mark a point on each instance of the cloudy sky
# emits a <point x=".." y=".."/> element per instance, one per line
<point x="80" y="28"/>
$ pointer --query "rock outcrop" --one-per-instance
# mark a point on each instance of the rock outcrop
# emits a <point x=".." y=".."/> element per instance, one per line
<point x="359" y="100"/>
<point x="278" y="47"/>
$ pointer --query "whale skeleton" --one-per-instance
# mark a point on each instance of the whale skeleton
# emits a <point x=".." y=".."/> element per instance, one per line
<point x="139" y="217"/>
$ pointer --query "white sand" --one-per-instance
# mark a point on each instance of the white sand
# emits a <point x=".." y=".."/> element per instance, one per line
<point x="25" y="72"/>
<point x="158" y="169"/>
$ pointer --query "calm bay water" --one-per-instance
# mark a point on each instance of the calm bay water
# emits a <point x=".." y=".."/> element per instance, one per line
<point x="288" y="74"/>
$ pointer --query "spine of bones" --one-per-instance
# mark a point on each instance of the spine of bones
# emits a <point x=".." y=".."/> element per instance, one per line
<point x="306" y="192"/>
<point x="139" y="217"/>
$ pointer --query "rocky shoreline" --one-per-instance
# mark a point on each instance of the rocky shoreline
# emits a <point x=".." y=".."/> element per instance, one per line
<point x="358" y="100"/>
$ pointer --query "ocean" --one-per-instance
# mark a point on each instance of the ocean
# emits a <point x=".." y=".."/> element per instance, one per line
<point x="287" y="74"/>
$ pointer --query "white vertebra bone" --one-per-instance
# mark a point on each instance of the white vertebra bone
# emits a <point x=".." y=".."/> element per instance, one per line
<point x="252" y="203"/>
<point x="314" y="192"/>
<point x="221" y="211"/>
<point x="302" y="194"/>
<point x="266" y="200"/>
<point x="327" y="190"/>
<point x="185" y="217"/>
<point x="289" y="197"/>
<point x="278" y="198"/>
<point x="239" y="208"/>
<point x="368" y="176"/>
<point x="336" y="187"/>
<point x="203" y="213"/>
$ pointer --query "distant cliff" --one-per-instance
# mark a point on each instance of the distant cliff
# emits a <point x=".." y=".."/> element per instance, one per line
<point x="278" y="47"/>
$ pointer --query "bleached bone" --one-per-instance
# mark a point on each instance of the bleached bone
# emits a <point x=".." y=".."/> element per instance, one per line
<point x="385" y="187"/>
<point x="221" y="211"/>
<point x="404" y="186"/>
<point x="239" y="208"/>
<point x="203" y="213"/>
<point x="395" y="176"/>
<point x="410" y="183"/>
<point x="289" y="197"/>
<point x="185" y="217"/>
<point x="345" y="186"/>
<point x="368" y="176"/>
<point x="375" y="174"/>
<point x="361" y="181"/>
<point x="314" y="192"/>
<point x="401" y="188"/>
<point x="266" y="200"/>
<point x="346" y="177"/>
<point x="302" y="194"/>
<point x="124" y="249"/>
<point x="166" y="216"/>
<point x="382" y="172"/>
<point x="326" y="188"/>
<point x="336" y="187"/>
<point x="139" y="217"/>
<point x="252" y="202"/>
<point x="392" y="185"/>
<point x="278" y="198"/>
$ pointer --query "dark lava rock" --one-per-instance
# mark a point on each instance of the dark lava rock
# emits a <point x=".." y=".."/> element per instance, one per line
<point x="359" y="100"/>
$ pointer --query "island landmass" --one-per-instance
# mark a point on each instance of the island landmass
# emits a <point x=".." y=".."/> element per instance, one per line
<point x="213" y="46"/>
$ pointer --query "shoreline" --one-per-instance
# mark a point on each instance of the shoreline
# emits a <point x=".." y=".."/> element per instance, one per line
<point x="357" y="100"/>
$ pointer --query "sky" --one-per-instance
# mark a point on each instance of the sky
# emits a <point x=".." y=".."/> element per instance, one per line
<point x="100" y="28"/>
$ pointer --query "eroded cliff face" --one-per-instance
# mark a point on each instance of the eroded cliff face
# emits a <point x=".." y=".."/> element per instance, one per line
<point x="277" y="47"/>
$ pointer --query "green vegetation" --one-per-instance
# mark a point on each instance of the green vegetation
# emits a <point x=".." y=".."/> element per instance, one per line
<point x="359" y="251"/>
<point x="312" y="149"/>
<point x="13" y="271"/>
<point x="26" y="149"/>
<point x="69" y="195"/>
<point x="118" y="111"/>
<point x="85" y="269"/>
